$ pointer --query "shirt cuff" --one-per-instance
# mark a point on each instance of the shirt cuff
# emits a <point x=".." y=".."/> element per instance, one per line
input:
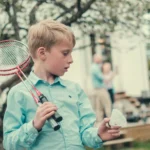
<point x="31" y="132"/>
<point x="97" y="139"/>
<point x="31" y="129"/>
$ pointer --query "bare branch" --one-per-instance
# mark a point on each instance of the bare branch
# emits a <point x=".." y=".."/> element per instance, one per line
<point x="79" y="13"/>
<point x="59" y="4"/>
<point x="7" y="9"/>
<point x="32" y="16"/>
<point x="14" y="20"/>
<point x="22" y="28"/>
<point x="65" y="12"/>
<point x="79" y="5"/>
<point x="4" y="29"/>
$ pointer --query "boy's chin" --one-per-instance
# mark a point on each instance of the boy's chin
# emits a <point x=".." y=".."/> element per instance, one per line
<point x="59" y="74"/>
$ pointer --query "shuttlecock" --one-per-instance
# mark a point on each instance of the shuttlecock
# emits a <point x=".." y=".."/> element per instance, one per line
<point x="117" y="119"/>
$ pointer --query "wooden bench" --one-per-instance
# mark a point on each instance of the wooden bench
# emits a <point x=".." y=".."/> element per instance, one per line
<point x="118" y="141"/>
<point x="118" y="144"/>
<point x="115" y="144"/>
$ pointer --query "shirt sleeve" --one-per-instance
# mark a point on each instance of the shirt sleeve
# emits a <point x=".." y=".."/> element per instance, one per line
<point x="89" y="133"/>
<point x="17" y="134"/>
<point x="96" y="71"/>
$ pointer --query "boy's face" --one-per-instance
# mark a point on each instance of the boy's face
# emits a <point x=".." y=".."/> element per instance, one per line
<point x="59" y="58"/>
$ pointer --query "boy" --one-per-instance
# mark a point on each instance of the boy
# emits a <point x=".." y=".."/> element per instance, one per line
<point x="25" y="126"/>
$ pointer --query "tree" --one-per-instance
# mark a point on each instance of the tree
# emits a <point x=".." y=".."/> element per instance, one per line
<point x="18" y="19"/>
<point x="109" y="16"/>
<point x="92" y="16"/>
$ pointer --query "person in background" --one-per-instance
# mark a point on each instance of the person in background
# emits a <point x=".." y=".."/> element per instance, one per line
<point x="101" y="102"/>
<point x="108" y="76"/>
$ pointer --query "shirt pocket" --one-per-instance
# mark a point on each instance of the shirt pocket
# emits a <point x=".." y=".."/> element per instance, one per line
<point x="67" y="102"/>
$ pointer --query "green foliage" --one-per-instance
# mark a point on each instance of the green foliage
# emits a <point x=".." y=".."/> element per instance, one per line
<point x="144" y="145"/>
<point x="136" y="146"/>
<point x="101" y="16"/>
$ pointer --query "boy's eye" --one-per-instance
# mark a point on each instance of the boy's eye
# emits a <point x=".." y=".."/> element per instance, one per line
<point x="65" y="53"/>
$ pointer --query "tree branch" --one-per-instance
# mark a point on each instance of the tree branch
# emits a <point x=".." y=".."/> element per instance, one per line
<point x="32" y="16"/>
<point x="14" y="20"/>
<point x="79" y="13"/>
<point x="3" y="30"/>
<point x="59" y="4"/>
<point x="79" y="5"/>
<point x="65" y="12"/>
<point x="22" y="28"/>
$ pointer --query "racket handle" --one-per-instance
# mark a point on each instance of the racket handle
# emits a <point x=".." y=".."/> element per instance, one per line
<point x="52" y="121"/>
<point x="54" y="124"/>
<point x="56" y="116"/>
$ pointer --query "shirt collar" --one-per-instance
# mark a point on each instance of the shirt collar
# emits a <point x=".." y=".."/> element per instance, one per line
<point x="35" y="79"/>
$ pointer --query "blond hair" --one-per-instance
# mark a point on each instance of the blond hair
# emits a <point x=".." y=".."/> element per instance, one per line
<point x="46" y="34"/>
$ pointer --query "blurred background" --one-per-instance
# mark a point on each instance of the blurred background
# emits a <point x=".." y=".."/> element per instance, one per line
<point x="118" y="30"/>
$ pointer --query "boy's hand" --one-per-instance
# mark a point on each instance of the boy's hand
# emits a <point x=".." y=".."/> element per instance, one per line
<point x="45" y="111"/>
<point x="108" y="133"/>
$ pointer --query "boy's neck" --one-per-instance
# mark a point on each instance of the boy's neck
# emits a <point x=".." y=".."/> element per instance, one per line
<point x="45" y="76"/>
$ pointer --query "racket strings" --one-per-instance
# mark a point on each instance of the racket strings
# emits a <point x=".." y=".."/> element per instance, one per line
<point x="15" y="58"/>
<point x="12" y="54"/>
<point x="15" y="69"/>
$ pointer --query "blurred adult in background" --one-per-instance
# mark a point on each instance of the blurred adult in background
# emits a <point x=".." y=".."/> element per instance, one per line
<point x="108" y="76"/>
<point x="101" y="102"/>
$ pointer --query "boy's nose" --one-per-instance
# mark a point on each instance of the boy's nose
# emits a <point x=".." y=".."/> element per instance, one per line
<point x="70" y="60"/>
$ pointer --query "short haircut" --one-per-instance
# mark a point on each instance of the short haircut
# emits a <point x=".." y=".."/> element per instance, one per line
<point x="46" y="34"/>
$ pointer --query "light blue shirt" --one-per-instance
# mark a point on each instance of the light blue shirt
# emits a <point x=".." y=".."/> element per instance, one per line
<point x="97" y="77"/>
<point x="73" y="105"/>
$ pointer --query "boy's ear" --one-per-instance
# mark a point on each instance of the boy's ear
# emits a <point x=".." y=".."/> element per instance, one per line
<point x="41" y="53"/>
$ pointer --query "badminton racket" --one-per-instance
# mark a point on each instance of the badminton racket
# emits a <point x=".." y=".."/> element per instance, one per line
<point x="14" y="59"/>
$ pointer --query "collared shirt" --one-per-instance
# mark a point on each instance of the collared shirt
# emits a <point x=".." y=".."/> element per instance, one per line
<point x="73" y="105"/>
<point x="97" y="77"/>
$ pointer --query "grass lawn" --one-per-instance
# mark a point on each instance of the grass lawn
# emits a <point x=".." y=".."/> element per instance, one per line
<point x="136" y="146"/>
